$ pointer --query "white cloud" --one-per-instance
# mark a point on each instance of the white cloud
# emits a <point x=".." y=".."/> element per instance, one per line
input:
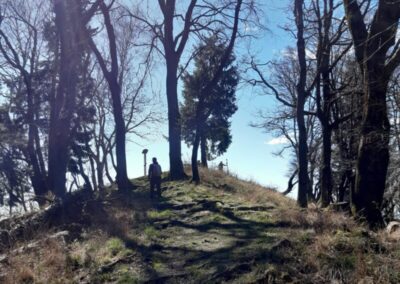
<point x="250" y="29"/>
<point x="278" y="141"/>
<point x="291" y="52"/>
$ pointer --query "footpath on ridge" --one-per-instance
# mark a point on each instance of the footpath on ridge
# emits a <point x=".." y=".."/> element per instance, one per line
<point x="223" y="230"/>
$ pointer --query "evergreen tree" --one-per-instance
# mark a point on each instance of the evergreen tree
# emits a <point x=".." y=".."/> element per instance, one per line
<point x="205" y="116"/>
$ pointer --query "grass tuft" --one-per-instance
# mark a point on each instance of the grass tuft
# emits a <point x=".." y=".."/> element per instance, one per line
<point x="164" y="214"/>
<point x="115" y="246"/>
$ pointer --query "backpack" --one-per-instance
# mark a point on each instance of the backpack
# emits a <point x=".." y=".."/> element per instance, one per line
<point x="156" y="171"/>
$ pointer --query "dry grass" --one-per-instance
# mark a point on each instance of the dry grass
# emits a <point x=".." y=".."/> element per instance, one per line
<point x="321" y="220"/>
<point x="90" y="250"/>
<point x="43" y="264"/>
<point x="244" y="191"/>
<point x="332" y="244"/>
<point x="325" y="246"/>
<point x="352" y="257"/>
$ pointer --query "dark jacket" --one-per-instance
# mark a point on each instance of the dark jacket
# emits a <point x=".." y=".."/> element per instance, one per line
<point x="151" y="170"/>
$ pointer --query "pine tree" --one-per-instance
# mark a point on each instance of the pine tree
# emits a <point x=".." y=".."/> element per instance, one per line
<point x="205" y="116"/>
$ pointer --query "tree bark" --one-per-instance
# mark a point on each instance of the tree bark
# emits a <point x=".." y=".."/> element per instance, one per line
<point x="371" y="48"/>
<point x="324" y="108"/>
<point x="203" y="150"/>
<point x="99" y="172"/>
<point x="174" y="120"/>
<point x="63" y="104"/>
<point x="38" y="178"/>
<point x="172" y="57"/>
<point x="87" y="184"/>
<point x="373" y="155"/>
<point x="301" y="98"/>
<point x="120" y="151"/>
<point x="326" y="170"/>
<point x="195" y="150"/>
<point x="324" y="115"/>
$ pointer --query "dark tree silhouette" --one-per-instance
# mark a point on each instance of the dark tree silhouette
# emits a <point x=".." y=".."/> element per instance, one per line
<point x="62" y="105"/>
<point x="206" y="115"/>
<point x="112" y="77"/>
<point x="377" y="59"/>
<point x="301" y="99"/>
<point x="22" y="55"/>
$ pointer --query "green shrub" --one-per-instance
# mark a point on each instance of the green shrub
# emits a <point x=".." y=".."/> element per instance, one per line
<point x="115" y="245"/>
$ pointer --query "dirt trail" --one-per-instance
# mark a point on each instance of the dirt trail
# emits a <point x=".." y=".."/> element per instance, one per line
<point x="223" y="230"/>
<point x="193" y="234"/>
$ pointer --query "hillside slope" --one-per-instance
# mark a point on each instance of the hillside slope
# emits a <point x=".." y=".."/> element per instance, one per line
<point x="224" y="230"/>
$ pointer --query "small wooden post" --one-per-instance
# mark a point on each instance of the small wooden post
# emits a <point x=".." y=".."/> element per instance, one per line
<point x="144" y="152"/>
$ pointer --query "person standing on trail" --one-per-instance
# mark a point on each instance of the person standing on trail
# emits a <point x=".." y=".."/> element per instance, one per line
<point x="221" y="166"/>
<point x="155" y="177"/>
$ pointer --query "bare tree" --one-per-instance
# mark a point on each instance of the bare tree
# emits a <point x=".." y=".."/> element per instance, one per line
<point x="198" y="18"/>
<point x="282" y="122"/>
<point x="113" y="79"/>
<point x="301" y="99"/>
<point x="20" y="47"/>
<point x="378" y="55"/>
<point x="331" y="47"/>
<point x="140" y="108"/>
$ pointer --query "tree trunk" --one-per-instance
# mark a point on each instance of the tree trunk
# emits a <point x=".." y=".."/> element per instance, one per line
<point x="114" y="84"/>
<point x="326" y="171"/>
<point x="378" y="56"/>
<point x="373" y="154"/>
<point x="174" y="123"/>
<point x="87" y="184"/>
<point x="302" y="156"/>
<point x="34" y="154"/>
<point x="92" y="165"/>
<point x="100" y="179"/>
<point x="38" y="178"/>
<point x="301" y="98"/>
<point x="93" y="173"/>
<point x="58" y="159"/>
<point x="203" y="149"/>
<point x="40" y="154"/>
<point x="108" y="175"/>
<point x="120" y="151"/>
<point x="195" y="150"/>
<point x="174" y="46"/>
<point x="324" y="112"/>
<point x="346" y="184"/>
<point x="63" y="104"/>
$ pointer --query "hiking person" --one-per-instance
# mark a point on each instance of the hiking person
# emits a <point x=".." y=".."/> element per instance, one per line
<point x="155" y="177"/>
<point x="221" y="166"/>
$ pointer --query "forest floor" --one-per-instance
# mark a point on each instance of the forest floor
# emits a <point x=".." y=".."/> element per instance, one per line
<point x="223" y="230"/>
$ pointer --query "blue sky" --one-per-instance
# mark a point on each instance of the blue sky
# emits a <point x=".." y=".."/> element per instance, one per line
<point x="250" y="156"/>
